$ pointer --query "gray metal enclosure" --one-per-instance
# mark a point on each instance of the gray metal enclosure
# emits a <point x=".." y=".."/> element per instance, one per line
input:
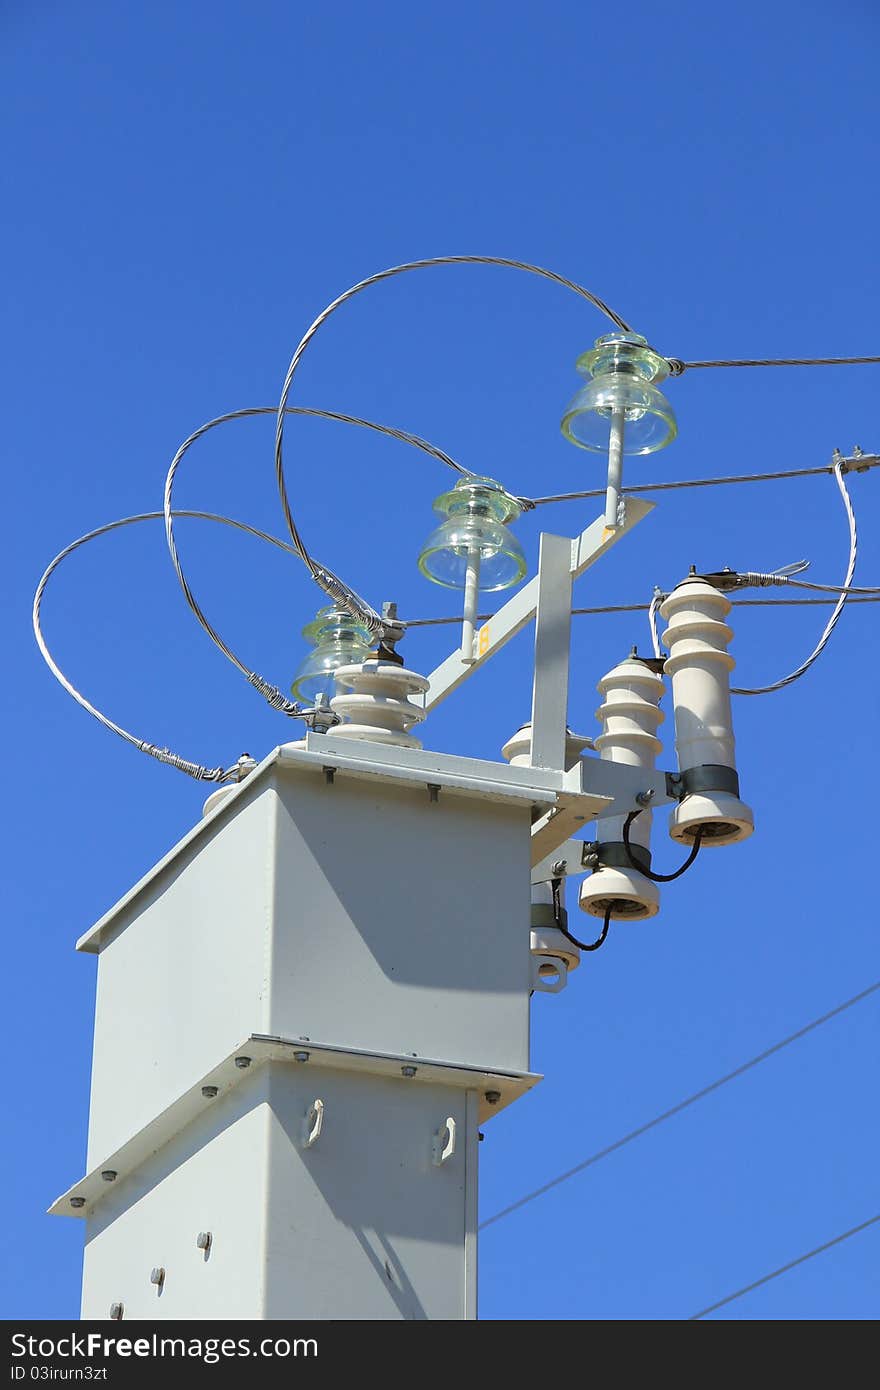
<point x="299" y="1027"/>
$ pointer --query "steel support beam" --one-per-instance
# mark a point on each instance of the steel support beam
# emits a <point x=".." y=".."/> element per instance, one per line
<point x="519" y="610"/>
<point x="552" y="648"/>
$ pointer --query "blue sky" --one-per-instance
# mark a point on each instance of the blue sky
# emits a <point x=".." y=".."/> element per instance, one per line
<point x="186" y="185"/>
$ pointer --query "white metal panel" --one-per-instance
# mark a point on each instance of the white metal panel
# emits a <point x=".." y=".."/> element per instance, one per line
<point x="382" y="761"/>
<point x="183" y="974"/>
<point x="364" y="1225"/>
<point x="402" y="923"/>
<point x="376" y="761"/>
<point x="211" y="1178"/>
<point x="83" y="1198"/>
<point x="234" y="797"/>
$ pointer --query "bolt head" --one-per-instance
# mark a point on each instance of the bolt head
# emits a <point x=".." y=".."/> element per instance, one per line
<point x="109" y="1175"/>
<point x="408" y="1071"/>
<point x="116" y="1311"/>
<point x="209" y="1092"/>
<point x="77" y="1202"/>
<point x="493" y="1097"/>
<point x="301" y="1056"/>
<point x="242" y="1062"/>
<point x="157" y="1275"/>
<point x="203" y="1240"/>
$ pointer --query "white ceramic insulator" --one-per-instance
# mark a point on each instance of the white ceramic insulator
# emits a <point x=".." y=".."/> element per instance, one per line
<point x="217" y="796"/>
<point x="699" y="665"/>
<point x="545" y="938"/>
<point x="518" y="750"/>
<point x="554" y="955"/>
<point x="630" y="714"/>
<point x="375" y="704"/>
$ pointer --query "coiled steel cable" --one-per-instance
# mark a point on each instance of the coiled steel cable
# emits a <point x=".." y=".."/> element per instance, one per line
<point x="677" y="367"/>
<point x="163" y="755"/>
<point x="328" y="581"/>
<point x="838" y="607"/>
<point x="785" y="577"/>
<point x="334" y="587"/>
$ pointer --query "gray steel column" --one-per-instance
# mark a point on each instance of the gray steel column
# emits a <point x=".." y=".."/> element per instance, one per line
<point x="552" y="650"/>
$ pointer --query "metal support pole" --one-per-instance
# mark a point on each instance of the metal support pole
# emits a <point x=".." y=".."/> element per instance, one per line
<point x="615" y="468"/>
<point x="552" y="647"/>
<point x="519" y="610"/>
<point x="471" y="603"/>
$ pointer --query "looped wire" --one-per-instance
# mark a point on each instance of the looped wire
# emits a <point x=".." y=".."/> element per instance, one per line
<point x="786" y="578"/>
<point x="162" y="755"/>
<point x="348" y="599"/>
<point x="326" y="579"/>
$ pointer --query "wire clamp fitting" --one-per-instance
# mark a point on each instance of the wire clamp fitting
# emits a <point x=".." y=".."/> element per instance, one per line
<point x="857" y="462"/>
<point x="613" y="854"/>
<point x="710" y="777"/>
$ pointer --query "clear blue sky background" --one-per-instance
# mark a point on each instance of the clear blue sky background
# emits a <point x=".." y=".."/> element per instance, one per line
<point x="186" y="185"/>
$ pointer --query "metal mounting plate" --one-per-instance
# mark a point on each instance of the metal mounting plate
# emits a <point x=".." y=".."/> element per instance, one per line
<point x="260" y="1049"/>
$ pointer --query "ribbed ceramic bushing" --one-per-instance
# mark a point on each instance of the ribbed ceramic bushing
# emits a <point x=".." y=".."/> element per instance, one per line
<point x="375" y="704"/>
<point x="699" y="665"/>
<point x="630" y="714"/>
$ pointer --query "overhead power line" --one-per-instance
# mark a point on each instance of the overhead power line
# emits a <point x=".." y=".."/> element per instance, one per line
<point x="643" y="608"/>
<point x="783" y="1269"/>
<point x="678" y="366"/>
<point x="677" y="1109"/>
<point x="862" y="463"/>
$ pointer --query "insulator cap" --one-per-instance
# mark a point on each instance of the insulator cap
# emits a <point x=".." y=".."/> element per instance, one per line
<point x="550" y="941"/>
<point x="723" y="819"/>
<point x="627" y="892"/>
<point x="518" y="749"/>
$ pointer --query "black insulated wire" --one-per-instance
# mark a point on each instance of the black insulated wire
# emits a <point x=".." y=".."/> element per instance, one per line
<point x="649" y="873"/>
<point x="600" y="939"/>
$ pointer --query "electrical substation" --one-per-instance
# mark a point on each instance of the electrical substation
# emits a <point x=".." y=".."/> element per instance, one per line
<point x="322" y="1105"/>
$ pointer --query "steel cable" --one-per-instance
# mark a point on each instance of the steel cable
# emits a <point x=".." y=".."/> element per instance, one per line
<point x="855" y="596"/>
<point x="163" y="755"/>
<point x="682" y="1105"/>
<point x="328" y="581"/>
<point x="276" y="699"/>
<point x="838" y="607"/>
<point x="677" y="367"/>
<point x="784" y="1269"/>
<point x="869" y="461"/>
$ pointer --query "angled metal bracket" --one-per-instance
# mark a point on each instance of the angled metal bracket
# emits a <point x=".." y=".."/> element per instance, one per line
<point x="519" y="610"/>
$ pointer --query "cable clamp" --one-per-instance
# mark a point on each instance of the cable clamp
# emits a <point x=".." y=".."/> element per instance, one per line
<point x="857" y="462"/>
<point x="710" y="777"/>
<point x="614" y="855"/>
